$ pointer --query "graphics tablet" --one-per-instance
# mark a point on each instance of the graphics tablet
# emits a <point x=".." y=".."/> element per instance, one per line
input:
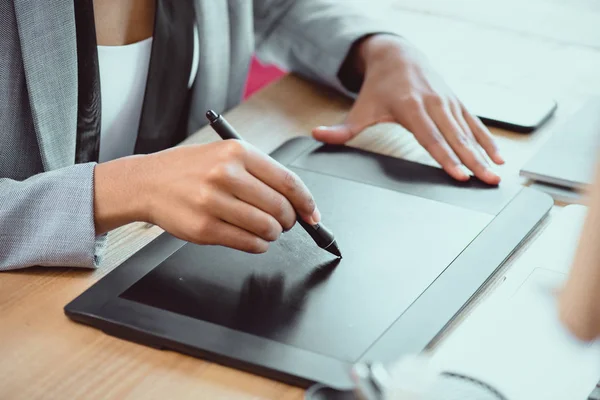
<point x="417" y="246"/>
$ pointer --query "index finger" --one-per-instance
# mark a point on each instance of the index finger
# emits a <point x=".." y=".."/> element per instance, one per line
<point x="460" y="143"/>
<point x="284" y="181"/>
<point x="430" y="138"/>
<point x="483" y="136"/>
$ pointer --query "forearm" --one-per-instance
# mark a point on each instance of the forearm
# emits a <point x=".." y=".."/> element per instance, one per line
<point x="580" y="299"/>
<point x="369" y="49"/>
<point x="119" y="193"/>
<point x="587" y="259"/>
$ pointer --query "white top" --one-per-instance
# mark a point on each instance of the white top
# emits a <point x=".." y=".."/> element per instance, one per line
<point x="123" y="74"/>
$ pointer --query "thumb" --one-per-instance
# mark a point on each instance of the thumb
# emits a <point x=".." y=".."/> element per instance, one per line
<point x="359" y="118"/>
<point x="335" y="134"/>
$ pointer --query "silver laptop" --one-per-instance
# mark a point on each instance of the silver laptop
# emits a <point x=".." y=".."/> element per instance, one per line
<point x="568" y="158"/>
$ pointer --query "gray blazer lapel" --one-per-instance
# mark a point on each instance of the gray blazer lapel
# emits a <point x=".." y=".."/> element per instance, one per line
<point x="211" y="85"/>
<point x="49" y="47"/>
<point x="242" y="46"/>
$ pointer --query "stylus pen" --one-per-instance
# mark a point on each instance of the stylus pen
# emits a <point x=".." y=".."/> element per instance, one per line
<point x="322" y="236"/>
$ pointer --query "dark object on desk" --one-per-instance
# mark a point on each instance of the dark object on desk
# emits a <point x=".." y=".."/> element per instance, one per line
<point x="560" y="194"/>
<point x="423" y="246"/>
<point x="567" y="159"/>
<point x="504" y="108"/>
<point x="322" y="236"/>
<point x="322" y="392"/>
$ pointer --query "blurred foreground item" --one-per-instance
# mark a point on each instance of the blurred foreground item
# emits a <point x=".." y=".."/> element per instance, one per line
<point x="414" y="378"/>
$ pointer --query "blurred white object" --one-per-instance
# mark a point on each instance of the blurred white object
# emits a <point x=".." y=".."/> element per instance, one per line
<point x="416" y="378"/>
<point x="513" y="343"/>
<point x="514" y="339"/>
<point x="412" y="378"/>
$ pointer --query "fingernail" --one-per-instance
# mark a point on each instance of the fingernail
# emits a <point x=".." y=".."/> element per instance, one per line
<point x="316" y="217"/>
<point x="462" y="172"/>
<point x="500" y="158"/>
<point x="490" y="175"/>
<point x="323" y="128"/>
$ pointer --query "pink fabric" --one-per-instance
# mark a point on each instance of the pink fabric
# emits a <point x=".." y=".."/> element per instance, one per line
<point x="260" y="75"/>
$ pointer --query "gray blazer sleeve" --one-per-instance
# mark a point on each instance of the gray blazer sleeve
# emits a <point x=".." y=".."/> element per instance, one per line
<point x="47" y="220"/>
<point x="312" y="37"/>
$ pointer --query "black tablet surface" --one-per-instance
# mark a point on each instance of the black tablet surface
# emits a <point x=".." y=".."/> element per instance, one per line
<point x="417" y="246"/>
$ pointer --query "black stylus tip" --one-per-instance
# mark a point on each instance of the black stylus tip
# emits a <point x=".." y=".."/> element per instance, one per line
<point x="212" y="116"/>
<point x="334" y="249"/>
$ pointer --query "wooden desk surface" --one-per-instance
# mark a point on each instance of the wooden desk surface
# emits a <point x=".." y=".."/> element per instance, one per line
<point x="45" y="355"/>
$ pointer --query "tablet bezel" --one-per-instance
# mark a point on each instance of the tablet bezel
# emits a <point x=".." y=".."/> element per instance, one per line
<point x="100" y="306"/>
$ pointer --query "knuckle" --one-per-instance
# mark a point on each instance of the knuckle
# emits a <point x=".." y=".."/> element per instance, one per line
<point x="256" y="245"/>
<point x="471" y="162"/>
<point x="434" y="100"/>
<point x="455" y="106"/>
<point x="234" y="149"/>
<point x="270" y="230"/>
<point x="429" y="142"/>
<point x="483" y="134"/>
<point x="490" y="144"/>
<point x="284" y="213"/>
<point x="412" y="103"/>
<point x="201" y="231"/>
<point x="204" y="199"/>
<point x="478" y="169"/>
<point x="291" y="182"/>
<point x="225" y="173"/>
<point x="294" y="189"/>
<point x="463" y="140"/>
<point x="288" y="222"/>
<point x="310" y="205"/>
